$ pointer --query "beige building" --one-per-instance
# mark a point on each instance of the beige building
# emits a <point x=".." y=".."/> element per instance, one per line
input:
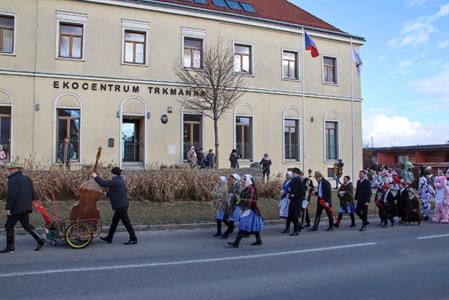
<point x="101" y="73"/>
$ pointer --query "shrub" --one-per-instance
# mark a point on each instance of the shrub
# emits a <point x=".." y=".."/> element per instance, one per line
<point x="164" y="185"/>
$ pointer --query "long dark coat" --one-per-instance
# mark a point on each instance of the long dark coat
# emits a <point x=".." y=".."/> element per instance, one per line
<point x="20" y="194"/>
<point x="297" y="192"/>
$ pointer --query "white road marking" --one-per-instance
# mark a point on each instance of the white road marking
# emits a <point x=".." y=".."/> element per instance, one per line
<point x="432" y="236"/>
<point x="183" y="262"/>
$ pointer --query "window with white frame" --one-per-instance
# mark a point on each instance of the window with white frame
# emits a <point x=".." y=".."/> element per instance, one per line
<point x="5" y="133"/>
<point x="6" y="34"/>
<point x="291" y="139"/>
<point x="290" y="65"/>
<point x="193" y="53"/>
<point x="330" y="69"/>
<point x="331" y="140"/>
<point x="70" y="40"/>
<point x="244" y="137"/>
<point x="242" y="59"/>
<point x="135" y="47"/>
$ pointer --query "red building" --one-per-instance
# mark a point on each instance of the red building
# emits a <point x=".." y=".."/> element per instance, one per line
<point x="436" y="156"/>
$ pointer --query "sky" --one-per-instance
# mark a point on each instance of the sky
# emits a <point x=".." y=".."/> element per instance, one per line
<point x="405" y="75"/>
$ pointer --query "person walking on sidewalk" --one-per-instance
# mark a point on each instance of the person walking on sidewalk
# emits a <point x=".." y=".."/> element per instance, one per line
<point x="118" y="193"/>
<point x="324" y="193"/>
<point x="19" y="201"/>
<point x="221" y="203"/>
<point x="346" y="197"/>
<point x="266" y="164"/>
<point x="251" y="221"/>
<point x="363" y="194"/>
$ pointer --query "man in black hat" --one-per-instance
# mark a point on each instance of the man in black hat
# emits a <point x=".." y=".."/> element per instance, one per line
<point x="296" y="194"/>
<point x="19" y="202"/>
<point x="118" y="194"/>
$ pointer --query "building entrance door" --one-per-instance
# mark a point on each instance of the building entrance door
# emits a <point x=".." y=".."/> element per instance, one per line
<point x="132" y="140"/>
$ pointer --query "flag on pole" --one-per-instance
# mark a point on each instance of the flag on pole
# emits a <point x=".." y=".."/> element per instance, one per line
<point x="310" y="45"/>
<point x="357" y="60"/>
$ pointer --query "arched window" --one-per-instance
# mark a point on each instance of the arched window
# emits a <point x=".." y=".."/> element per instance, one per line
<point x="291" y="134"/>
<point x="331" y="136"/>
<point x="244" y="131"/>
<point x="68" y="125"/>
<point x="5" y="124"/>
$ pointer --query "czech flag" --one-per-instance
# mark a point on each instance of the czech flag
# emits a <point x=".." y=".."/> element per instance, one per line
<point x="311" y="46"/>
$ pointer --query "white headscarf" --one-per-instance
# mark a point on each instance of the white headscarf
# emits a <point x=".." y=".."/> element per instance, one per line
<point x="236" y="177"/>
<point x="223" y="179"/>
<point x="249" y="180"/>
<point x="289" y="174"/>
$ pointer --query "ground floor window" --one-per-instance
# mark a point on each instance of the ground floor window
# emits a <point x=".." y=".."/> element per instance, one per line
<point x="5" y="132"/>
<point x="68" y="125"/>
<point x="331" y="140"/>
<point x="193" y="131"/>
<point x="244" y="137"/>
<point x="291" y="139"/>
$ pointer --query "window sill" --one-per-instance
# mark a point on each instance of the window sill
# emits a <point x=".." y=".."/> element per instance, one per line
<point x="291" y="79"/>
<point x="70" y="59"/>
<point x="244" y="74"/>
<point x="134" y="65"/>
<point x="8" y="53"/>
<point x="330" y="161"/>
<point x="192" y="69"/>
<point x="291" y="161"/>
<point x="331" y="83"/>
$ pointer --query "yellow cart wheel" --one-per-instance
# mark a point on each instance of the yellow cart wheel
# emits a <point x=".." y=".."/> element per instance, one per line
<point x="78" y="235"/>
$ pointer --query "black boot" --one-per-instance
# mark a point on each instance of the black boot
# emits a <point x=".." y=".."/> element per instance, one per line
<point x="218" y="228"/>
<point x="287" y="227"/>
<point x="316" y="223"/>
<point x="340" y="216"/>
<point x="352" y="220"/>
<point x="236" y="243"/>
<point x="9" y="244"/>
<point x="229" y="230"/>
<point x="40" y="241"/>
<point x="258" y="239"/>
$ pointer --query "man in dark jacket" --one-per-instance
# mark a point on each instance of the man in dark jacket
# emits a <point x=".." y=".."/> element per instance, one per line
<point x="324" y="193"/>
<point x="403" y="201"/>
<point x="118" y="194"/>
<point x="65" y="152"/>
<point x="296" y="194"/>
<point x="19" y="202"/>
<point x="363" y="194"/>
<point x="346" y="196"/>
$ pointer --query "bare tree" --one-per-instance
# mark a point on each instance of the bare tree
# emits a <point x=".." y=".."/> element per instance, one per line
<point x="216" y="87"/>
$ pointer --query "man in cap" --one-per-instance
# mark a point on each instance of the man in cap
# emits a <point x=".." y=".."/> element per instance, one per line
<point x="19" y="202"/>
<point x="118" y="194"/>
<point x="363" y="194"/>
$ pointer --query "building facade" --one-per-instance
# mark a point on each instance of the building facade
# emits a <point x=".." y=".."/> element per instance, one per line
<point x="102" y="73"/>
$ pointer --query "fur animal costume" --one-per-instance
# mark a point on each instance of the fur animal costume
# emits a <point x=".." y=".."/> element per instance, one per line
<point x="441" y="214"/>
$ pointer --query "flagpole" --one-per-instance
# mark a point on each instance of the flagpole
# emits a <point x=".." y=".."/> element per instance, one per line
<point x="302" y="103"/>
<point x="352" y="106"/>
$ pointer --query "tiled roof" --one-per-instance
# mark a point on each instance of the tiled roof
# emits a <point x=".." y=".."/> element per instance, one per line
<point x="272" y="10"/>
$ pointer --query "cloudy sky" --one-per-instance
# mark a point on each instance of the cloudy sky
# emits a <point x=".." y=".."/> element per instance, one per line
<point x="405" y="76"/>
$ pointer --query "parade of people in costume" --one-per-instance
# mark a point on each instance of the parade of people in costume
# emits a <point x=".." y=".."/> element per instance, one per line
<point x="235" y="201"/>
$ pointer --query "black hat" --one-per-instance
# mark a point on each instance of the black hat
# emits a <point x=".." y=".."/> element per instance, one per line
<point x="296" y="171"/>
<point x="116" y="171"/>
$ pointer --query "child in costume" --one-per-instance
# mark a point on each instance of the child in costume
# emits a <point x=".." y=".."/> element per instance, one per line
<point x="441" y="214"/>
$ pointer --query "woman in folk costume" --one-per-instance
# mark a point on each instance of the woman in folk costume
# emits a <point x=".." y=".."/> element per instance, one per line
<point x="251" y="221"/>
<point x="220" y="197"/>
<point x="284" y="202"/>
<point x="426" y="192"/>
<point x="234" y="203"/>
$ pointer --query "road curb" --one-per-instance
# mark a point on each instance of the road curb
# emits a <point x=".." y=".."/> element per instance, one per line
<point x="161" y="227"/>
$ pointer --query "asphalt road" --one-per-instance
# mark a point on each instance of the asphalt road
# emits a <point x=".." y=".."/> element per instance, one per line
<point x="403" y="262"/>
